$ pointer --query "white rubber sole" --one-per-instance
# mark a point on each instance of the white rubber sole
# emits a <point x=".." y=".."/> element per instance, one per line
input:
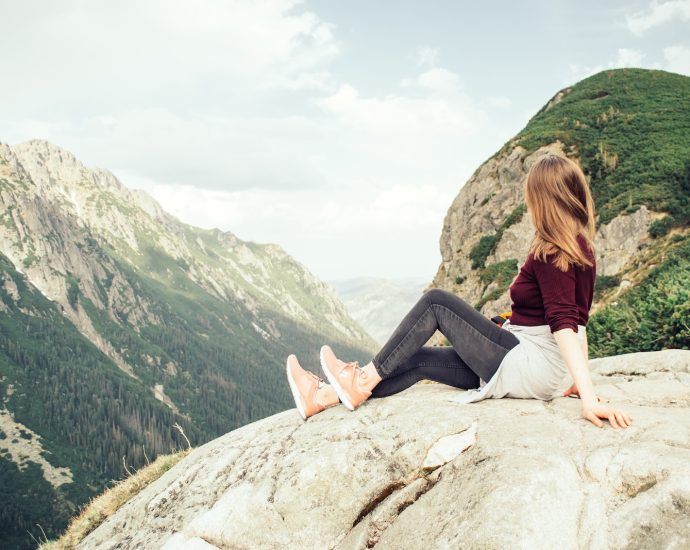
<point x="334" y="382"/>
<point x="295" y="392"/>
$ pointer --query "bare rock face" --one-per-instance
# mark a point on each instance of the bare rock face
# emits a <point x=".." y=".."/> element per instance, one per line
<point x="483" y="204"/>
<point x="421" y="470"/>
<point x="619" y="241"/>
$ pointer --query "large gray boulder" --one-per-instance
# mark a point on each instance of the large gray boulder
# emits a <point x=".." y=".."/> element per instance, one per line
<point x="420" y="470"/>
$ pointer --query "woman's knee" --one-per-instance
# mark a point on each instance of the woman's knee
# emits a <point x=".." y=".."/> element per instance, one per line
<point x="439" y="296"/>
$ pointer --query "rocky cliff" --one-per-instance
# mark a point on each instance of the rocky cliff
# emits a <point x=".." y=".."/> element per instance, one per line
<point x="420" y="470"/>
<point x="480" y="208"/>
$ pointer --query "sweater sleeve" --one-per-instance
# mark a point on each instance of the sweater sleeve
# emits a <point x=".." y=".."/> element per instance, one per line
<point x="558" y="294"/>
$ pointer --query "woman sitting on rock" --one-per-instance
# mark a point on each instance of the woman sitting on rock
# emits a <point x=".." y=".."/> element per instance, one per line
<point x="528" y="356"/>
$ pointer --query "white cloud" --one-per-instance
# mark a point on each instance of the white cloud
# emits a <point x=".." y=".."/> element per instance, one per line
<point x="677" y="59"/>
<point x="238" y="211"/>
<point x="445" y="109"/>
<point x="658" y="13"/>
<point x="201" y="97"/>
<point x="399" y="206"/>
<point x="439" y="80"/>
<point x="114" y="56"/>
<point x="628" y="58"/>
<point x="334" y="211"/>
<point x="502" y="102"/>
<point x="213" y="151"/>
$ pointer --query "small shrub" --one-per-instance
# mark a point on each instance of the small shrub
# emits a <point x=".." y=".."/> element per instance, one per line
<point x="487" y="244"/>
<point x="29" y="260"/>
<point x="72" y="291"/>
<point x="604" y="282"/>
<point x="486" y="199"/>
<point x="481" y="251"/>
<point x="659" y="228"/>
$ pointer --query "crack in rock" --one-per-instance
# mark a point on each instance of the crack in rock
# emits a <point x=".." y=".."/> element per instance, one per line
<point x="398" y="495"/>
<point x="384" y="509"/>
<point x="425" y="487"/>
<point x="378" y="499"/>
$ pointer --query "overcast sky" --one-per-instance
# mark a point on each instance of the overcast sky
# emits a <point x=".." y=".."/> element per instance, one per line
<point x="341" y="130"/>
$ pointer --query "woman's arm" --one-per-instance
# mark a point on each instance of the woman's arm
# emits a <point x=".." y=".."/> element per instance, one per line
<point x="557" y="290"/>
<point x="572" y="390"/>
<point x="576" y="359"/>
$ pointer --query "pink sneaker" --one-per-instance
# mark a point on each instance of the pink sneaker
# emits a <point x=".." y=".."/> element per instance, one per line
<point x="346" y="378"/>
<point x="303" y="384"/>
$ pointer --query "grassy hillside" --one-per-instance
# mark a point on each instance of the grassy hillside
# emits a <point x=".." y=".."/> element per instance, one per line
<point x="629" y="128"/>
<point x="651" y="316"/>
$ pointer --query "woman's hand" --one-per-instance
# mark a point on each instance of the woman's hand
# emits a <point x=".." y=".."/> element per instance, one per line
<point x="572" y="390"/>
<point x="616" y="417"/>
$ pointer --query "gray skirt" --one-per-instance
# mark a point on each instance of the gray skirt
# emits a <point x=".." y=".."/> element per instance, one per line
<point x="533" y="369"/>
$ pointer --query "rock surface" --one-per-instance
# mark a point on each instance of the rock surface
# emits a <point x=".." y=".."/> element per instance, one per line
<point x="420" y="470"/>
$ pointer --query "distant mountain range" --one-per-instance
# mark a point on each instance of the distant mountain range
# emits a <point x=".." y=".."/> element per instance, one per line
<point x="379" y="304"/>
<point x="117" y="321"/>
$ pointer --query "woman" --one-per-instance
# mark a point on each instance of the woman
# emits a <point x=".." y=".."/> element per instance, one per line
<point x="528" y="356"/>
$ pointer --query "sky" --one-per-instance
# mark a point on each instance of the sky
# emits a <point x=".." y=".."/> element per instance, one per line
<point x="341" y="131"/>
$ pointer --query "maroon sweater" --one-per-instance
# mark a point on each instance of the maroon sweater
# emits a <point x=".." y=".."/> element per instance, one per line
<point x="542" y="294"/>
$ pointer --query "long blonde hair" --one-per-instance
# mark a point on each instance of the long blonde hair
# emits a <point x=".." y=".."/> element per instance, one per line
<point x="561" y="207"/>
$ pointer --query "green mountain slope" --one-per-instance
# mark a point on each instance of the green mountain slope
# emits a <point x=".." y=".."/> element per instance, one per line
<point x="629" y="129"/>
<point x="89" y="413"/>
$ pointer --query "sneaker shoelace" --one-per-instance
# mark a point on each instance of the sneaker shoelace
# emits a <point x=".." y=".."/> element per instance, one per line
<point x="357" y="369"/>
<point x="315" y="376"/>
<point x="320" y="383"/>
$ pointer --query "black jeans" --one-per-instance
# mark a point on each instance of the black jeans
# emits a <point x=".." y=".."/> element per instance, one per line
<point x="478" y="346"/>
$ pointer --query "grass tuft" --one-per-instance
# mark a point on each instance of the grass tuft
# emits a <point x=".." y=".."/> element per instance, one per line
<point x="106" y="504"/>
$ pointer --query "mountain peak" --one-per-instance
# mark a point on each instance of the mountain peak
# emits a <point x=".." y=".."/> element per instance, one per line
<point x="45" y="147"/>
